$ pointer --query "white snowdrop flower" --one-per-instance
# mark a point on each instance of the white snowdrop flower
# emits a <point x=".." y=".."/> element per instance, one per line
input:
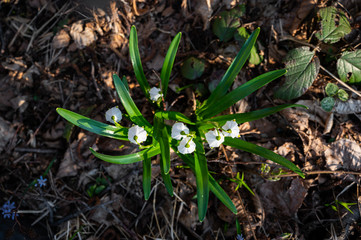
<point x="214" y="138"/>
<point x="137" y="134"/>
<point x="186" y="145"/>
<point x="113" y="113"/>
<point x="230" y="129"/>
<point x="155" y="93"/>
<point x="179" y="131"/>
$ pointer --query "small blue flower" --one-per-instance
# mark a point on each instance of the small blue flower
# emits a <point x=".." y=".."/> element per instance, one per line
<point x="7" y="209"/>
<point x="41" y="182"/>
<point x="240" y="237"/>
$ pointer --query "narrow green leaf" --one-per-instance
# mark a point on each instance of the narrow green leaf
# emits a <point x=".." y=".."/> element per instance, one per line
<point x="168" y="63"/>
<point x="263" y="152"/>
<point x="349" y="66"/>
<point x="213" y="184"/>
<point x="136" y="62"/>
<point x="244" y="117"/>
<point x="201" y="172"/>
<point x="94" y="126"/>
<point x="130" y="158"/>
<point x="176" y="116"/>
<point x="241" y="35"/>
<point x="232" y="71"/>
<point x="239" y="93"/>
<point x="147" y="177"/>
<point x="334" y="25"/>
<point x="166" y="179"/>
<point x="129" y="105"/>
<point x="161" y="135"/>
<point x="302" y="69"/>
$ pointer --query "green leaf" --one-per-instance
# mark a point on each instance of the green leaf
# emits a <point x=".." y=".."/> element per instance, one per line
<point x="192" y="68"/>
<point x="225" y="23"/>
<point x="342" y="95"/>
<point x="263" y="152"/>
<point x="161" y="136"/>
<point x="334" y="25"/>
<point x="232" y="72"/>
<point x="331" y="89"/>
<point x="349" y="67"/>
<point x="239" y="93"/>
<point x="166" y="179"/>
<point x="201" y="172"/>
<point x="136" y="62"/>
<point x="244" y="117"/>
<point x="130" y="158"/>
<point x="328" y="103"/>
<point x="302" y="68"/>
<point x="213" y="184"/>
<point x="94" y="126"/>
<point x="129" y="105"/>
<point x="168" y="63"/>
<point x="147" y="177"/>
<point x="176" y="116"/>
<point x="241" y="35"/>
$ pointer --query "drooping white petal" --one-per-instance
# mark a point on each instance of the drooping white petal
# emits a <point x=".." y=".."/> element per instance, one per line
<point x="186" y="146"/>
<point x="137" y="134"/>
<point x="155" y="93"/>
<point x="214" y="138"/>
<point x="113" y="112"/>
<point x="179" y="130"/>
<point x="230" y="129"/>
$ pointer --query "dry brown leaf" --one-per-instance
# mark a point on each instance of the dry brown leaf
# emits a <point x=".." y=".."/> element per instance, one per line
<point x="68" y="166"/>
<point x="305" y="8"/>
<point x="19" y="103"/>
<point x="28" y="75"/>
<point x="6" y="133"/>
<point x="349" y="107"/>
<point x="344" y="154"/>
<point x="82" y="36"/>
<point x="61" y="39"/>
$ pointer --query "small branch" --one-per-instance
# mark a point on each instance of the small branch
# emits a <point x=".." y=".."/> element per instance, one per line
<point x="340" y="81"/>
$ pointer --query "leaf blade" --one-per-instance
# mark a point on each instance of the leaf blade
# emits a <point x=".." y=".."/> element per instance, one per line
<point x="349" y="66"/>
<point x="147" y="177"/>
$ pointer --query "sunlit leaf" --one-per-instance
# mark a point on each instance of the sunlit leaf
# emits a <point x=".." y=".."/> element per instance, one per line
<point x="342" y="95"/>
<point x="331" y="89"/>
<point x="241" y="35"/>
<point x="349" y="66"/>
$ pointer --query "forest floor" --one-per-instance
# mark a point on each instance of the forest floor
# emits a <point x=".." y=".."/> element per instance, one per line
<point x="61" y="54"/>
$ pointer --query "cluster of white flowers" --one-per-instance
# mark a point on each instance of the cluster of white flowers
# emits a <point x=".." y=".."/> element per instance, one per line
<point x="136" y="134"/>
<point x="216" y="137"/>
<point x="155" y="93"/>
<point x="181" y="132"/>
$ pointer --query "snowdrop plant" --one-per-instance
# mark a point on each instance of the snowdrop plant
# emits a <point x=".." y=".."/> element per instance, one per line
<point x="189" y="134"/>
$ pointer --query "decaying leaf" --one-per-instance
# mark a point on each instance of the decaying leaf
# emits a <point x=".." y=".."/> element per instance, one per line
<point x="82" y="36"/>
<point x="334" y="25"/>
<point x="61" y="39"/>
<point x="349" y="66"/>
<point x="302" y="68"/>
<point x="6" y="133"/>
<point x="349" y="107"/>
<point x="344" y="154"/>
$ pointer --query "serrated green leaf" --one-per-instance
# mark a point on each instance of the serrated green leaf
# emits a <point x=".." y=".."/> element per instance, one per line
<point x="244" y="117"/>
<point x="130" y="158"/>
<point x="349" y="67"/>
<point x="331" y="89"/>
<point x="239" y="93"/>
<point x="328" y="103"/>
<point x="136" y="62"/>
<point x="302" y="68"/>
<point x="147" y="177"/>
<point x="231" y="73"/>
<point x="192" y="68"/>
<point x="334" y="25"/>
<point x="94" y="126"/>
<point x="201" y="172"/>
<point x="176" y="116"/>
<point x="263" y="152"/>
<point x="168" y="63"/>
<point x="342" y="95"/>
<point x="129" y="105"/>
<point x="241" y="35"/>
<point x="225" y="23"/>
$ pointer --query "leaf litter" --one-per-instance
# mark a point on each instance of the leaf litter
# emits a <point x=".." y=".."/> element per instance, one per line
<point x="68" y="61"/>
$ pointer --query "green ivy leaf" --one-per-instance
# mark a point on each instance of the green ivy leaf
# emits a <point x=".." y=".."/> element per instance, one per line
<point x="192" y="68"/>
<point x="302" y="68"/>
<point x="327" y="104"/>
<point x="225" y="23"/>
<point x="241" y="35"/>
<point x="342" y="95"/>
<point x="334" y="25"/>
<point x="349" y="66"/>
<point x="331" y="89"/>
